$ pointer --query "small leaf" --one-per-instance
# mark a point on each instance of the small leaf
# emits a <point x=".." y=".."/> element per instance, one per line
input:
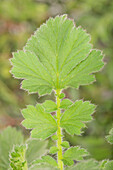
<point x="65" y="103"/>
<point x="74" y="153"/>
<point x="65" y="144"/>
<point x="46" y="159"/>
<point x="53" y="150"/>
<point x="43" y="124"/>
<point x="54" y="137"/>
<point x="62" y="95"/>
<point x="75" y="117"/>
<point x="110" y="137"/>
<point x="68" y="162"/>
<point x="49" y="106"/>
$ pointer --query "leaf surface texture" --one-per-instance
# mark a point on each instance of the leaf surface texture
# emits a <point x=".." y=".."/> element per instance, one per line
<point x="58" y="55"/>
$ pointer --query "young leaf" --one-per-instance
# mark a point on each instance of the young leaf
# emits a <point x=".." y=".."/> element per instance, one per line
<point x="75" y="117"/>
<point x="49" y="106"/>
<point x="65" y="103"/>
<point x="17" y="158"/>
<point x="46" y="159"/>
<point x="74" y="153"/>
<point x="85" y="165"/>
<point x="53" y="149"/>
<point x="110" y="136"/>
<point x="43" y="124"/>
<point x="65" y="144"/>
<point x="56" y="57"/>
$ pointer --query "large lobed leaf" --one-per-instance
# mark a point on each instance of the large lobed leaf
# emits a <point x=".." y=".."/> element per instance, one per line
<point x="42" y="123"/>
<point x="58" y="55"/>
<point x="75" y="117"/>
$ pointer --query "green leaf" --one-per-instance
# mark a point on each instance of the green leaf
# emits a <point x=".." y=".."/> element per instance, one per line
<point x="58" y="55"/>
<point x="53" y="150"/>
<point x="68" y="162"/>
<point x="65" y="103"/>
<point x="110" y="137"/>
<point x="43" y="166"/>
<point x="54" y="137"/>
<point x="49" y="106"/>
<point x="74" y="153"/>
<point x="108" y="166"/>
<point x="8" y="138"/>
<point x="42" y="123"/>
<point x="62" y="95"/>
<point x="102" y="164"/>
<point x="82" y="73"/>
<point x="46" y="159"/>
<point x="75" y="117"/>
<point x="36" y="149"/>
<point x="65" y="144"/>
<point x="85" y="165"/>
<point x="17" y="158"/>
<point x="27" y="66"/>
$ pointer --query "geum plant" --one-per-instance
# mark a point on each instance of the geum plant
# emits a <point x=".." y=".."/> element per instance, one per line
<point x="59" y="55"/>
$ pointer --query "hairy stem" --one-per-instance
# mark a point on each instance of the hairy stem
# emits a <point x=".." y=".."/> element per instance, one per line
<point x="59" y="133"/>
<point x="23" y="159"/>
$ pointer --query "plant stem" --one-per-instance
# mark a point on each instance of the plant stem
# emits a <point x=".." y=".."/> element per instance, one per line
<point x="59" y="133"/>
<point x="25" y="166"/>
<point x="23" y="159"/>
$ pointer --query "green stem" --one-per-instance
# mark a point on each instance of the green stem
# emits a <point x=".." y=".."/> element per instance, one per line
<point x="25" y="166"/>
<point x="59" y="133"/>
<point x="24" y="159"/>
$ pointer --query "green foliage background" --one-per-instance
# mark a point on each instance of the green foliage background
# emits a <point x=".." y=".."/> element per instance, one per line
<point x="18" y="20"/>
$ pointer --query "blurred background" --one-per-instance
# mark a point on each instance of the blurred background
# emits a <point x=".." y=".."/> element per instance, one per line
<point x="18" y="20"/>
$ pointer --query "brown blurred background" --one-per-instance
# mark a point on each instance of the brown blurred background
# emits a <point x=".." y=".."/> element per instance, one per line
<point x="18" y="20"/>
